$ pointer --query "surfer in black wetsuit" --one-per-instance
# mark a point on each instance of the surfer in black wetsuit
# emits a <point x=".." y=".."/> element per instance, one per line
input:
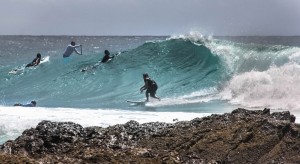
<point x="106" y="56"/>
<point x="36" y="61"/>
<point x="150" y="87"/>
<point x="31" y="104"/>
<point x="105" y="59"/>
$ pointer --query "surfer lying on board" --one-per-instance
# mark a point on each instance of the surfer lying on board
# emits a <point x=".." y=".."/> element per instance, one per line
<point x="71" y="48"/>
<point x="106" y="56"/>
<point x="36" y="61"/>
<point x="31" y="104"/>
<point x="150" y="87"/>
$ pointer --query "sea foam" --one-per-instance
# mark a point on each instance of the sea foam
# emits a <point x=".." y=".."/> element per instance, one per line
<point x="14" y="120"/>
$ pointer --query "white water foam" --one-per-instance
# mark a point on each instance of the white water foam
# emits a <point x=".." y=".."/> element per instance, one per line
<point x="193" y="36"/>
<point x="295" y="55"/>
<point x="201" y="96"/>
<point x="276" y="88"/>
<point x="14" y="120"/>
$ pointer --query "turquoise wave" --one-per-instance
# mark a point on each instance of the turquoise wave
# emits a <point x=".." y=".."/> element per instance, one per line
<point x="180" y="66"/>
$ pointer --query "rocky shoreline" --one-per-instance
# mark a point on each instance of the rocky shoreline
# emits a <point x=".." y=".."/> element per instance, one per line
<point x="242" y="136"/>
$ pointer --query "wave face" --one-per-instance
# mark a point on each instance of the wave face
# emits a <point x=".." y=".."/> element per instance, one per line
<point x="189" y="69"/>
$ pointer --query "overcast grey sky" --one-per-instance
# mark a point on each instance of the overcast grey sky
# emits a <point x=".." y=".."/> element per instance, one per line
<point x="149" y="17"/>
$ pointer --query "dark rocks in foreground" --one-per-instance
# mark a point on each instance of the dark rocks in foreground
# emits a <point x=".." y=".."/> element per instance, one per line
<point x="242" y="136"/>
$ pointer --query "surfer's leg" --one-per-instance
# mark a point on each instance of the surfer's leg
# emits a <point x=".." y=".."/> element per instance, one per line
<point x="153" y="92"/>
<point x="154" y="96"/>
<point x="147" y="95"/>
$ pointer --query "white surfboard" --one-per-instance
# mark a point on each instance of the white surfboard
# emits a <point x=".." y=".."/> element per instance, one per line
<point x="45" y="59"/>
<point x="136" y="102"/>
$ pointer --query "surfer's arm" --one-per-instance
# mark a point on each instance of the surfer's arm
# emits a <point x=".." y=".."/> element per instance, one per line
<point x="37" y="62"/>
<point x="77" y="51"/>
<point x="144" y="87"/>
<point x="74" y="48"/>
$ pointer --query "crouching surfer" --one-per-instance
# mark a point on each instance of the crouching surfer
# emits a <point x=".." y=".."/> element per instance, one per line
<point x="150" y="87"/>
<point x="31" y="104"/>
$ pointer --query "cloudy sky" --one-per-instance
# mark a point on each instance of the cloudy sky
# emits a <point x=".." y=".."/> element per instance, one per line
<point x="149" y="17"/>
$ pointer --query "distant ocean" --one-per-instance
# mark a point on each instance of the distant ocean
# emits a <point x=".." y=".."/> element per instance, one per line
<point x="197" y="76"/>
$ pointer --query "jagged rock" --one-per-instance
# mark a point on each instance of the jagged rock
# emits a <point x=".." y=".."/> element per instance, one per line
<point x="242" y="136"/>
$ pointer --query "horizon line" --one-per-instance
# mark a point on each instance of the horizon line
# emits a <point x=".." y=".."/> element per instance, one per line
<point x="152" y="35"/>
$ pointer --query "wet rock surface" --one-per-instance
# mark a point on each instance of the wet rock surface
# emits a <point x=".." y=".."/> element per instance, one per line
<point x="242" y="136"/>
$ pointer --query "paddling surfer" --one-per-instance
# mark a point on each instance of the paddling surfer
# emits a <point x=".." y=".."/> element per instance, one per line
<point x="36" y="61"/>
<point x="31" y="104"/>
<point x="106" y="56"/>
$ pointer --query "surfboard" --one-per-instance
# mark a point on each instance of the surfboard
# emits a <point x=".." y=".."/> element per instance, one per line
<point x="136" y="102"/>
<point x="89" y="68"/>
<point x="45" y="59"/>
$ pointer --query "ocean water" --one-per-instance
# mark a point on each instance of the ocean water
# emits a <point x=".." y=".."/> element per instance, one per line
<point x="197" y="76"/>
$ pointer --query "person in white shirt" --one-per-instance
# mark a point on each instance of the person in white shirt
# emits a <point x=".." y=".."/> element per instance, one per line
<point x="70" y="49"/>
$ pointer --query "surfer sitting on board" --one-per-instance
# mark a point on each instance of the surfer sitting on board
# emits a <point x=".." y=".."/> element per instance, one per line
<point x="106" y="56"/>
<point x="150" y="87"/>
<point x="31" y="104"/>
<point x="36" y="61"/>
<point x="70" y="49"/>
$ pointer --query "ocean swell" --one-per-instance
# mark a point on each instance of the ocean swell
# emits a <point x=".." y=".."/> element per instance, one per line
<point x="189" y="69"/>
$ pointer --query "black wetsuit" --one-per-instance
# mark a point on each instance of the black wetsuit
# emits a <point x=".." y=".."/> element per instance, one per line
<point x="33" y="62"/>
<point x="152" y="87"/>
<point x="106" y="58"/>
